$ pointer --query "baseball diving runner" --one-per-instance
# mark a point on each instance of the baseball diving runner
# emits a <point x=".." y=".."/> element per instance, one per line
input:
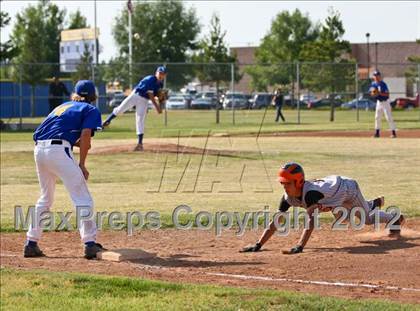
<point x="322" y="194"/>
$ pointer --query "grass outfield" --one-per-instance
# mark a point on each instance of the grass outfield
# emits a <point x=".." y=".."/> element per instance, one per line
<point x="132" y="181"/>
<point x="40" y="290"/>
<point x="186" y="123"/>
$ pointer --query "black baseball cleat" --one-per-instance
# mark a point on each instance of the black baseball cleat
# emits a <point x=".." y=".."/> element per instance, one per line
<point x="32" y="251"/>
<point x="91" y="251"/>
<point x="397" y="232"/>
<point x="106" y="123"/>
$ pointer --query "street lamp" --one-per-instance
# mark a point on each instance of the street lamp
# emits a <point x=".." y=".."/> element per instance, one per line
<point x="368" y="55"/>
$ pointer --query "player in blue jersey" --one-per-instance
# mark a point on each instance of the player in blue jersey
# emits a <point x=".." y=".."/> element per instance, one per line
<point x="69" y="125"/>
<point x="324" y="195"/>
<point x="147" y="89"/>
<point x="380" y="92"/>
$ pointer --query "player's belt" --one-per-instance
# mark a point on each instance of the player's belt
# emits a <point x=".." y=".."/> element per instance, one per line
<point x="53" y="142"/>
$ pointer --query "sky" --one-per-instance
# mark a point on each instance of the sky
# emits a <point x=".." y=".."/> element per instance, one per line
<point x="246" y="22"/>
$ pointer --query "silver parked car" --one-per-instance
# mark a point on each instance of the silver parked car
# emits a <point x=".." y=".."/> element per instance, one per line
<point x="176" y="102"/>
<point x="236" y="101"/>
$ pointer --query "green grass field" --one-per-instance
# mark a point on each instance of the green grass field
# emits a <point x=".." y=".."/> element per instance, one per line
<point x="133" y="181"/>
<point x="187" y="123"/>
<point x="40" y="290"/>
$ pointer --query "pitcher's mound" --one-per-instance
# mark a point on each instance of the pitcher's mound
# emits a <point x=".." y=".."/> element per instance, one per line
<point x="124" y="254"/>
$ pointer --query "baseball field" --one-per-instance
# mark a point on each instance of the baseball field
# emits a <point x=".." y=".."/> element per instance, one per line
<point x="214" y="168"/>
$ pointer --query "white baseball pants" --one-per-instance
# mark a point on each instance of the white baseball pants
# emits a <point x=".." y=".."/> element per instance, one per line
<point x="134" y="100"/>
<point x="355" y="198"/>
<point x="383" y="107"/>
<point x="54" y="161"/>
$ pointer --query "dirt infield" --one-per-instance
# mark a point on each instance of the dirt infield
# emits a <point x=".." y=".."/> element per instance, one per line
<point x="182" y="149"/>
<point x="352" y="264"/>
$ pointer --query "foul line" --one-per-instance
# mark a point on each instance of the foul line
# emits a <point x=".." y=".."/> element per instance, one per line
<point x="339" y="284"/>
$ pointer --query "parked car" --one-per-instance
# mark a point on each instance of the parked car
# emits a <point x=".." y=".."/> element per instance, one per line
<point x="406" y="103"/>
<point x="176" y="102"/>
<point x="324" y="102"/>
<point x="307" y="98"/>
<point x="288" y="102"/>
<point x="208" y="95"/>
<point x="261" y="100"/>
<point x="202" y="103"/>
<point x="238" y="100"/>
<point x="117" y="99"/>
<point x="362" y="103"/>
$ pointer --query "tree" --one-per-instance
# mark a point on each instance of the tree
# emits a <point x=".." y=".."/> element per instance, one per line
<point x="280" y="48"/>
<point x="117" y="70"/>
<point x="213" y="52"/>
<point x="77" y="20"/>
<point x="333" y="71"/>
<point x="7" y="50"/>
<point x="167" y="33"/>
<point x="36" y="34"/>
<point x="413" y="72"/>
<point x="84" y="66"/>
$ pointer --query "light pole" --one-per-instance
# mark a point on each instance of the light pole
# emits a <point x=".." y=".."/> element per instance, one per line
<point x="368" y="55"/>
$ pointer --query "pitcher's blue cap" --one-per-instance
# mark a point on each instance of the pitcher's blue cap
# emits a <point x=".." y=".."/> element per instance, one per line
<point x="85" y="88"/>
<point x="376" y="73"/>
<point x="161" y="69"/>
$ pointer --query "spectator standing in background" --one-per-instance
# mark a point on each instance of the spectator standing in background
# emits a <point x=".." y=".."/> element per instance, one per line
<point x="56" y="92"/>
<point x="278" y="101"/>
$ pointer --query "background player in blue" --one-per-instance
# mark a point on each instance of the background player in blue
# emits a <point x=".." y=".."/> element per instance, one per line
<point x="380" y="92"/>
<point x="146" y="90"/>
<point x="323" y="194"/>
<point x="70" y="124"/>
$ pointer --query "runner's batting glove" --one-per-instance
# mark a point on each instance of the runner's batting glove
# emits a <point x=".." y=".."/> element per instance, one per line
<point x="253" y="248"/>
<point x="297" y="249"/>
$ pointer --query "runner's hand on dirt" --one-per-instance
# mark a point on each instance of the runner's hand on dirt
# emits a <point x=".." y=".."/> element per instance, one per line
<point x="252" y="248"/>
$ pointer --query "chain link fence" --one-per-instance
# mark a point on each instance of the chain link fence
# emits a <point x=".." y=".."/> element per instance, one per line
<point x="225" y="88"/>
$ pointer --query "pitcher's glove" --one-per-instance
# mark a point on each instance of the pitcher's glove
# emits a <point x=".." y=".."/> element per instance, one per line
<point x="252" y="248"/>
<point x="162" y="96"/>
<point x="374" y="92"/>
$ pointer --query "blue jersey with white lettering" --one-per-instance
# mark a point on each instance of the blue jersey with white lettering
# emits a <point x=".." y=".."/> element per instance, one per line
<point x="67" y="122"/>
<point x="149" y="83"/>
<point x="382" y="88"/>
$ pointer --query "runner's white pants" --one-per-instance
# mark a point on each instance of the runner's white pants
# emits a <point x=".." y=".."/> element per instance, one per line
<point x="134" y="100"/>
<point x="383" y="107"/>
<point x="355" y="198"/>
<point x="54" y="161"/>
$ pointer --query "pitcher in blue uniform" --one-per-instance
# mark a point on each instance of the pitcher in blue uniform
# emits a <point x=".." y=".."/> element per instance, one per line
<point x="69" y="125"/>
<point x="146" y="90"/>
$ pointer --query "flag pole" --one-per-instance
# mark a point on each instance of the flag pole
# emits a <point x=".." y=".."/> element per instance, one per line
<point x="130" y="43"/>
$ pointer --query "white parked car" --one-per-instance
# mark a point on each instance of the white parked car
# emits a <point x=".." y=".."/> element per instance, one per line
<point x="308" y="98"/>
<point x="176" y="102"/>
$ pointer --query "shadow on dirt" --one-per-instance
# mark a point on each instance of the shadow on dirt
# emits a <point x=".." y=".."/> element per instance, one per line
<point x="372" y="247"/>
<point x="176" y="261"/>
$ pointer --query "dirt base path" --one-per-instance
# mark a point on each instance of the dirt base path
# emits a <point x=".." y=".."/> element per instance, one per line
<point x="353" y="264"/>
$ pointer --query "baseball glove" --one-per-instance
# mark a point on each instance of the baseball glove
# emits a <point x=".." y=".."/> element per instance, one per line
<point x="374" y="92"/>
<point x="252" y="248"/>
<point x="162" y="96"/>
